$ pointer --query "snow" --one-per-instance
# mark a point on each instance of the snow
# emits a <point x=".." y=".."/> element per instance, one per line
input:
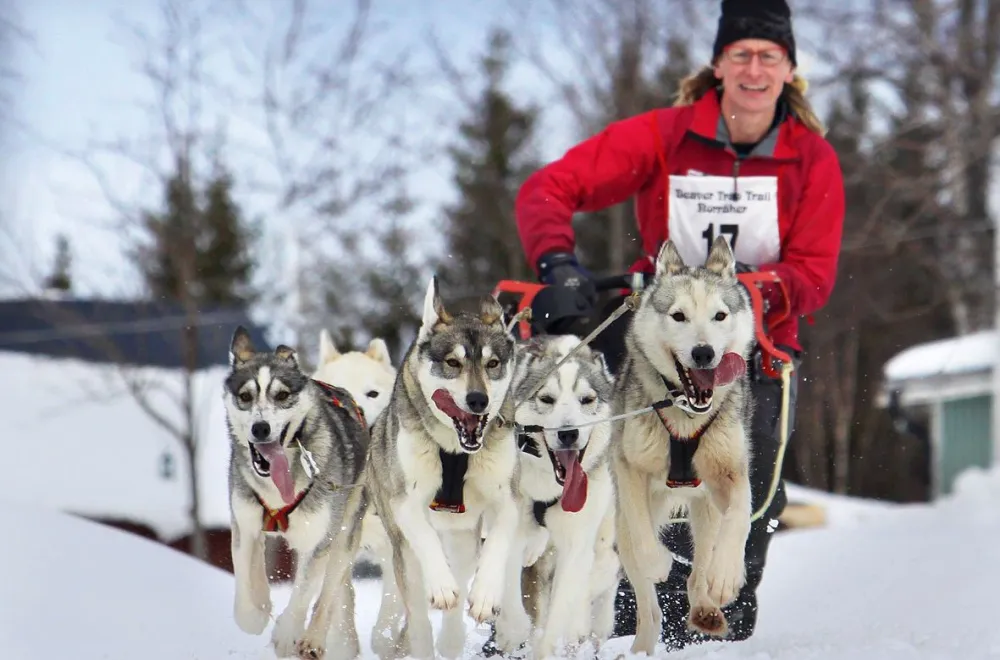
<point x="956" y="355"/>
<point x="85" y="446"/>
<point x="882" y="581"/>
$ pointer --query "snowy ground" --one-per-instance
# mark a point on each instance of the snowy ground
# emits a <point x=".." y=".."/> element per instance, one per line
<point x="886" y="582"/>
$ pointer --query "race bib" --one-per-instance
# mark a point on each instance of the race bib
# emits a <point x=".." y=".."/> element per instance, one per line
<point x="744" y="210"/>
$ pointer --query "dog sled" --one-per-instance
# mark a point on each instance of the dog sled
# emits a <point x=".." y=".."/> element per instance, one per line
<point x="519" y="299"/>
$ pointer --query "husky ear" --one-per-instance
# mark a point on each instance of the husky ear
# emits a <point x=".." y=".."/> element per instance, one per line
<point x="434" y="311"/>
<point x="720" y="258"/>
<point x="241" y="349"/>
<point x="602" y="364"/>
<point x="669" y="260"/>
<point x="327" y="349"/>
<point x="283" y="352"/>
<point x="490" y="310"/>
<point x="378" y="351"/>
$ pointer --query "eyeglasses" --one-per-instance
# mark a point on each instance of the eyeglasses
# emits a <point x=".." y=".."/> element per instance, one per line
<point x="768" y="57"/>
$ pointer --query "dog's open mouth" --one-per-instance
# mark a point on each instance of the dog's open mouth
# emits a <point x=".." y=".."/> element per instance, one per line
<point x="270" y="460"/>
<point x="699" y="384"/>
<point x="469" y="426"/>
<point x="568" y="469"/>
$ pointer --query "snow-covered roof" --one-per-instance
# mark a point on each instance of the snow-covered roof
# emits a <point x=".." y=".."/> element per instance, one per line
<point x="967" y="354"/>
<point x="78" y="441"/>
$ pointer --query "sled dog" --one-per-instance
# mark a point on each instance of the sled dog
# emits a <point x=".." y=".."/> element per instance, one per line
<point x="299" y="449"/>
<point x="444" y="465"/>
<point x="567" y="490"/>
<point x="687" y="343"/>
<point x="369" y="377"/>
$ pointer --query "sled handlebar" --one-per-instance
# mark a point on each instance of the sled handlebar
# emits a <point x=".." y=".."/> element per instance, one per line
<point x="753" y="282"/>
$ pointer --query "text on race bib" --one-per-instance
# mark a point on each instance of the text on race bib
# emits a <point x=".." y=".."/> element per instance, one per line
<point x="743" y="209"/>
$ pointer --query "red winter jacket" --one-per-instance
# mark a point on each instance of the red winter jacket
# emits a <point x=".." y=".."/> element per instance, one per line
<point x="795" y="233"/>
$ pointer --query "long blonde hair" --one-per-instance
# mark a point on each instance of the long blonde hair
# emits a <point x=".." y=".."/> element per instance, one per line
<point x="695" y="85"/>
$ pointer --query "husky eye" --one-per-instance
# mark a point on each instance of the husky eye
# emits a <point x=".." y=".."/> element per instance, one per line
<point x="587" y="400"/>
<point x="679" y="317"/>
<point x="493" y="364"/>
<point x="547" y="399"/>
<point x="281" y="396"/>
<point x="453" y="363"/>
<point x="246" y="397"/>
<point x="721" y="316"/>
<point x="371" y="394"/>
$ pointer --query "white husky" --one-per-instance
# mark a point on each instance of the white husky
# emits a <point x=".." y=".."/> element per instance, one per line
<point x="369" y="376"/>
<point x="567" y="487"/>
<point x="687" y="343"/>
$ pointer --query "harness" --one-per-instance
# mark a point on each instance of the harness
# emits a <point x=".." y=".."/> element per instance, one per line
<point x="276" y="520"/>
<point x="450" y="497"/>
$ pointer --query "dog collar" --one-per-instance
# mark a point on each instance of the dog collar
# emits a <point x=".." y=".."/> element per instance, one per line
<point x="276" y="520"/>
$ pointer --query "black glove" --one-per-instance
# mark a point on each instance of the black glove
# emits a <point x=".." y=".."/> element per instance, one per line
<point x="562" y="269"/>
<point x="744" y="268"/>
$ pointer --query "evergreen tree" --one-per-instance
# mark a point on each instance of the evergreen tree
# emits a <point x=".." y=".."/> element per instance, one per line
<point x="492" y="159"/>
<point x="60" y="278"/>
<point x="198" y="246"/>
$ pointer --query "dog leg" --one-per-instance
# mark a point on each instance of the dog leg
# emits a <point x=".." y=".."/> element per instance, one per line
<point x="731" y="497"/>
<point x="411" y="516"/>
<point x="513" y="626"/>
<point x="488" y="585"/>
<point x="649" y="618"/>
<point x="569" y="602"/>
<point x="252" y="603"/>
<point x="633" y="490"/>
<point x="416" y="639"/>
<point x="390" y="612"/>
<point x="704" y="613"/>
<point x="337" y="586"/>
<point x="462" y="547"/>
<point x="309" y="578"/>
<point x="604" y="580"/>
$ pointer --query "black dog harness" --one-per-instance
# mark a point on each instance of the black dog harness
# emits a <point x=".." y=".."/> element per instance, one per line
<point x="681" y="473"/>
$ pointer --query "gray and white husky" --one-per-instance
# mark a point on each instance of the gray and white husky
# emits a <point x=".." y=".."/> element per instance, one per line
<point x="299" y="449"/>
<point x="688" y="342"/>
<point x="444" y="466"/>
<point x="568" y="491"/>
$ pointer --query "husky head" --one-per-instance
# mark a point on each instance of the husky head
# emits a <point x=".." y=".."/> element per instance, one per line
<point x="368" y="375"/>
<point x="266" y="398"/>
<point x="695" y="324"/>
<point x="577" y="393"/>
<point x="465" y="363"/>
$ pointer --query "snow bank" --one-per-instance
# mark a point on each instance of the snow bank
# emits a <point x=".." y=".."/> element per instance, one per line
<point x="82" y="444"/>
<point x="955" y="355"/>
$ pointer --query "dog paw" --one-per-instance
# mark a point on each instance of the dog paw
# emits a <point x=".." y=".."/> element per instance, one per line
<point x="286" y="636"/>
<point x="513" y="629"/>
<point x="725" y="578"/>
<point x="252" y="618"/>
<point x="484" y="598"/>
<point x="708" y="620"/>
<point x="444" y="595"/>
<point x="535" y="546"/>
<point x="451" y="640"/>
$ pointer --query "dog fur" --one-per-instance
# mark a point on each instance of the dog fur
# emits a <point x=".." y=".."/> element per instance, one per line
<point x="464" y="354"/>
<point x="685" y="308"/>
<point x="270" y="402"/>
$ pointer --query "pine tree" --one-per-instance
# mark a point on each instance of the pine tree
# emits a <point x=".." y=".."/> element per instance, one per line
<point x="199" y="246"/>
<point x="492" y="158"/>
<point x="60" y="278"/>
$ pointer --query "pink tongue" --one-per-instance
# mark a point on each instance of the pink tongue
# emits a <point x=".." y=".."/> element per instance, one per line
<point x="281" y="473"/>
<point x="575" y="487"/>
<point x="731" y="367"/>
<point x="447" y="405"/>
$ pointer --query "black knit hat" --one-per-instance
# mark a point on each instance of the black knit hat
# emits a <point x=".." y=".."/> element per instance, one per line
<point x="755" y="19"/>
